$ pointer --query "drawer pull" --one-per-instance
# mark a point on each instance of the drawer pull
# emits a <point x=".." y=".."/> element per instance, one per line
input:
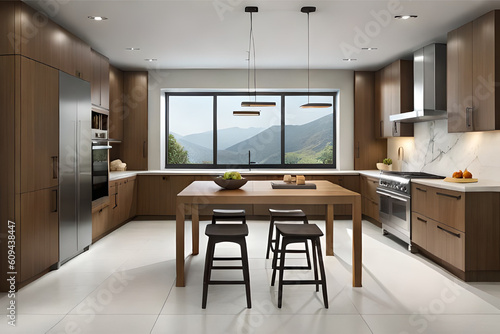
<point x="452" y="196"/>
<point x="454" y="234"/>
<point x="420" y="189"/>
<point x="422" y="220"/>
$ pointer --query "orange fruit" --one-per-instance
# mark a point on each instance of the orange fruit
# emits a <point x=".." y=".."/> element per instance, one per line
<point x="458" y="175"/>
<point x="467" y="174"/>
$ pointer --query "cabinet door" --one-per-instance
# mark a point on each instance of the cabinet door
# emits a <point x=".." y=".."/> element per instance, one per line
<point x="39" y="126"/>
<point x="115" y="103"/>
<point x="95" y="82"/>
<point x="39" y="232"/>
<point x="420" y="200"/>
<point x="419" y="229"/>
<point x="483" y="71"/>
<point x="104" y="73"/>
<point x="449" y="208"/>
<point x="100" y="222"/>
<point x="459" y="78"/>
<point x="153" y="195"/>
<point x="446" y="243"/>
<point x="386" y="101"/>
<point x="135" y="123"/>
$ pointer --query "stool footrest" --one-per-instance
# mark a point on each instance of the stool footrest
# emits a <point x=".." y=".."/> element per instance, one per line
<point x="295" y="268"/>
<point x="226" y="267"/>
<point x="302" y="282"/>
<point x="226" y="282"/>
<point x="227" y="259"/>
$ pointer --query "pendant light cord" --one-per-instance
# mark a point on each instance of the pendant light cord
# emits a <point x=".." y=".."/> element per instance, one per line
<point x="308" y="60"/>
<point x="251" y="49"/>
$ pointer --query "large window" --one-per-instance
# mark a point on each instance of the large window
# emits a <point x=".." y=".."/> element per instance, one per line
<point x="204" y="133"/>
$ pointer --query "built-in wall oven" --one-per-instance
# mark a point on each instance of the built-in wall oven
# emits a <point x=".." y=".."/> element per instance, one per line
<point x="100" y="169"/>
<point x="394" y="192"/>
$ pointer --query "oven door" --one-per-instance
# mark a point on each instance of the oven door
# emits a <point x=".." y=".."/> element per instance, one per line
<point x="100" y="171"/>
<point x="395" y="213"/>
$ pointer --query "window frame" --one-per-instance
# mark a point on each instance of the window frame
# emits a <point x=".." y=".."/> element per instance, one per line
<point x="282" y="165"/>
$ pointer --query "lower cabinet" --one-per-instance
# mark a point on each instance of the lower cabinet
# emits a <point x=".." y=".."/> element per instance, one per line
<point x="99" y="221"/>
<point x="38" y="232"/>
<point x="369" y="196"/>
<point x="458" y="230"/>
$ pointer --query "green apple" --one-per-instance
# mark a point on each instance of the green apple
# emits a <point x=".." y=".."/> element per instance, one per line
<point x="232" y="176"/>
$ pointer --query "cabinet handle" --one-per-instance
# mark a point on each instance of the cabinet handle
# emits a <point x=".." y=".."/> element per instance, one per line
<point x="144" y="149"/>
<point x="450" y="232"/>
<point x="54" y="201"/>
<point x="468" y="117"/>
<point x="116" y="200"/>
<point x="420" y="189"/>
<point x="422" y="220"/>
<point x="452" y="196"/>
<point x="55" y="167"/>
<point x="358" y="150"/>
<point x="395" y="128"/>
<point x="381" y="128"/>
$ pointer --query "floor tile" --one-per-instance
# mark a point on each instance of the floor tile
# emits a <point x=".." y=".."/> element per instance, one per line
<point x="99" y="324"/>
<point x="30" y="324"/>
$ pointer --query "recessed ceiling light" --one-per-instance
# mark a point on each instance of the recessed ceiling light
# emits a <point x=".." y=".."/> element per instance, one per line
<point x="132" y="49"/>
<point x="405" y="17"/>
<point x="369" y="49"/>
<point x="98" y="18"/>
<point x="150" y="59"/>
<point x="349" y="59"/>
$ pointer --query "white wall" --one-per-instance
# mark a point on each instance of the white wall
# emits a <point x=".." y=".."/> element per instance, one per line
<point x="434" y="150"/>
<point x="162" y="80"/>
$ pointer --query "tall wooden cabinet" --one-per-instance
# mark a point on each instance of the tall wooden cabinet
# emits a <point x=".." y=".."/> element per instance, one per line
<point x="135" y="121"/>
<point x="99" y="85"/>
<point x="394" y="95"/>
<point x="115" y="103"/>
<point x="368" y="149"/>
<point x="472" y="74"/>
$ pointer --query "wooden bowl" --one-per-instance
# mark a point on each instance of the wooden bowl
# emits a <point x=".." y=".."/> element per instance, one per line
<point x="382" y="166"/>
<point x="230" y="184"/>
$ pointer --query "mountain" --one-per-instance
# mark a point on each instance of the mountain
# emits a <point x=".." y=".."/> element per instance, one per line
<point x="225" y="137"/>
<point x="196" y="153"/>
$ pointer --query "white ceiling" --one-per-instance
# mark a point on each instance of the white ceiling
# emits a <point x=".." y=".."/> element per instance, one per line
<point x="213" y="34"/>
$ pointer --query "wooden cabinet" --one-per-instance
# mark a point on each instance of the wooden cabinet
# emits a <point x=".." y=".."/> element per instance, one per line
<point x="368" y="149"/>
<point x="154" y="196"/>
<point x="472" y="53"/>
<point x="394" y="95"/>
<point x="459" y="230"/>
<point x="100" y="216"/>
<point x="122" y="202"/>
<point x="38" y="234"/>
<point x="29" y="33"/>
<point x="135" y="122"/>
<point x="99" y="84"/>
<point x="39" y="126"/>
<point x="369" y="196"/>
<point x="115" y="103"/>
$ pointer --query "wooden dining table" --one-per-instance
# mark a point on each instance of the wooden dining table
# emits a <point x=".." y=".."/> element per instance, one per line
<point x="202" y="193"/>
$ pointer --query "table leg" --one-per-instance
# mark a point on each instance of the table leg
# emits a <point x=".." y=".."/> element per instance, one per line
<point x="356" y="242"/>
<point x="179" y="244"/>
<point x="329" y="229"/>
<point x="195" y="219"/>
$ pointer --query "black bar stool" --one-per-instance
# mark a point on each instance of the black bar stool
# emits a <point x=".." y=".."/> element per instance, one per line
<point x="293" y="233"/>
<point x="235" y="233"/>
<point x="287" y="216"/>
<point x="228" y="215"/>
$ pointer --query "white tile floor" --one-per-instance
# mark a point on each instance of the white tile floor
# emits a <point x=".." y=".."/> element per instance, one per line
<point x="125" y="283"/>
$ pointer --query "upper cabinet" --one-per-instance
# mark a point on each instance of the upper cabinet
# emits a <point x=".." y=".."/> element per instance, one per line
<point x="393" y="95"/>
<point x="472" y="75"/>
<point x="115" y="103"/>
<point x="99" y="83"/>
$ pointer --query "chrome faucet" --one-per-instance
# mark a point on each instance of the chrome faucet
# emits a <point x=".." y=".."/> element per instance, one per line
<point x="250" y="162"/>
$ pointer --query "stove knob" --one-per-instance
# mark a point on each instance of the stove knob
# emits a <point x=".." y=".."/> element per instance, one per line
<point x="404" y="189"/>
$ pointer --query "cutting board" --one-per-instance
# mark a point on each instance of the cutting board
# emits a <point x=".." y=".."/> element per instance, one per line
<point x="461" y="180"/>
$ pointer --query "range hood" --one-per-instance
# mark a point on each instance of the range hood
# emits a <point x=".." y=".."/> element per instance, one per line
<point x="429" y="90"/>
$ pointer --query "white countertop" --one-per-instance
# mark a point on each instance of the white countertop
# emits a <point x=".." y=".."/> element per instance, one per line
<point x="480" y="186"/>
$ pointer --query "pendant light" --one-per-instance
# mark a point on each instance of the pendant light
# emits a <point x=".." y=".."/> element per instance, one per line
<point x="309" y="10"/>
<point x="251" y="49"/>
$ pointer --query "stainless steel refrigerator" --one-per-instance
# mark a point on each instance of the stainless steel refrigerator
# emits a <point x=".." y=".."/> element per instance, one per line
<point x="75" y="174"/>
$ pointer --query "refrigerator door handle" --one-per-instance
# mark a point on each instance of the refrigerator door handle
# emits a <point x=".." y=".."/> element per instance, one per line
<point x="54" y="206"/>
<point x="55" y="166"/>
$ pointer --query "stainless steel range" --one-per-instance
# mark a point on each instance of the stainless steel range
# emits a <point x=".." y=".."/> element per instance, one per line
<point x="394" y="191"/>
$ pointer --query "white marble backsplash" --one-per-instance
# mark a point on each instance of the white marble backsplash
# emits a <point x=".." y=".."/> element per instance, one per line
<point x="436" y="151"/>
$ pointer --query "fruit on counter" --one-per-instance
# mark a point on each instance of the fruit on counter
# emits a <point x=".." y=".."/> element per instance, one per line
<point x="232" y="176"/>
<point x="458" y="175"/>
<point x="387" y="161"/>
<point x="467" y="174"/>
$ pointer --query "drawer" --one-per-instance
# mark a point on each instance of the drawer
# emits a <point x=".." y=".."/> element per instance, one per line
<point x="369" y="188"/>
<point x="449" y="208"/>
<point x="420" y="199"/>
<point x="446" y="243"/>
<point x="369" y="208"/>
<point x="419" y="229"/>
